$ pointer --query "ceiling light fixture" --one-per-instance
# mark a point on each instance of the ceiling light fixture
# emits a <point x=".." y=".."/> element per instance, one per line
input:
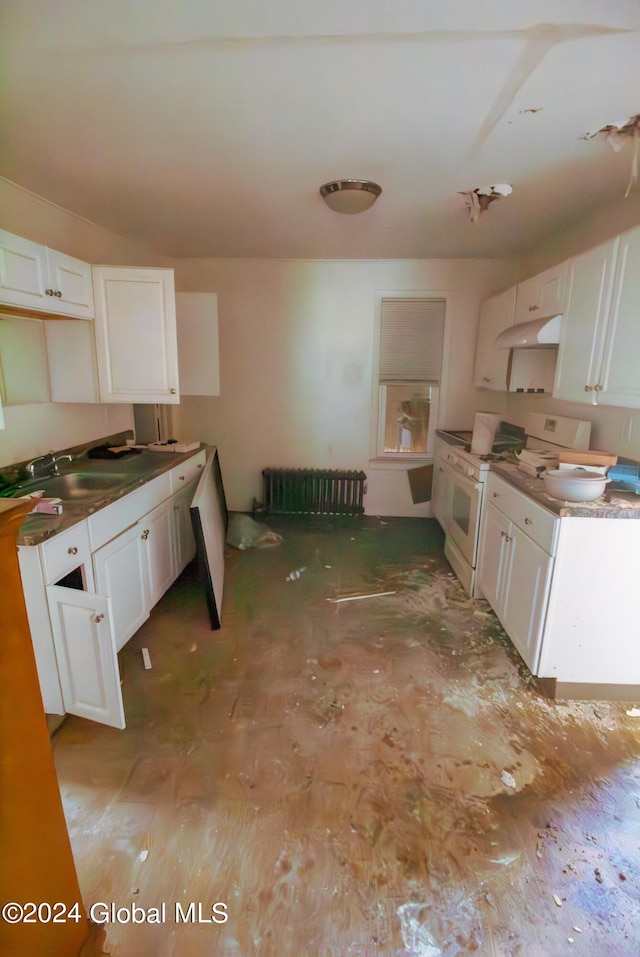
<point x="350" y="195"/>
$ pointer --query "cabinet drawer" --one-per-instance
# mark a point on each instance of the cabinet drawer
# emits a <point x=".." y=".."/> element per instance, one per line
<point x="112" y="520"/>
<point x="66" y="551"/>
<point x="184" y="473"/>
<point x="534" y="520"/>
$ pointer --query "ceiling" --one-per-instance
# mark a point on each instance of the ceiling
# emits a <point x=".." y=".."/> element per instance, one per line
<point x="206" y="127"/>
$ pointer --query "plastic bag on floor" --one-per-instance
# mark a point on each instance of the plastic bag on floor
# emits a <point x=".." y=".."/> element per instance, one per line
<point x="243" y="532"/>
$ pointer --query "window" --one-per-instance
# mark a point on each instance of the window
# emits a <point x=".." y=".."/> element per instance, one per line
<point x="411" y="335"/>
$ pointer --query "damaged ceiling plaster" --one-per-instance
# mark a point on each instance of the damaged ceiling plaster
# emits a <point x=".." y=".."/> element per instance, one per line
<point x="478" y="199"/>
<point x="618" y="135"/>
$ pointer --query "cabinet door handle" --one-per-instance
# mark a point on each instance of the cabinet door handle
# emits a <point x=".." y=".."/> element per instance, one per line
<point x="48" y="292"/>
<point x="485" y="378"/>
<point x="72" y="550"/>
<point x="508" y="538"/>
<point x="598" y="388"/>
<point x="528" y="521"/>
<point x="533" y="308"/>
<point x="145" y="535"/>
<point x="58" y="294"/>
<point x="181" y="478"/>
<point x="503" y="534"/>
<point x="588" y="388"/>
<point x="172" y="391"/>
<point x="496" y="494"/>
<point x="97" y="617"/>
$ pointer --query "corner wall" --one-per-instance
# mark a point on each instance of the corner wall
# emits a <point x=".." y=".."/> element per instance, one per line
<point x="297" y="347"/>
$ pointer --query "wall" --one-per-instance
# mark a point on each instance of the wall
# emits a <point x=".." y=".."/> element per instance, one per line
<point x="31" y="430"/>
<point x="612" y="429"/>
<point x="297" y="342"/>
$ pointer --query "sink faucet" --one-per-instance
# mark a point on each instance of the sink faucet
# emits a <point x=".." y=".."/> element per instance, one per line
<point x="58" y="458"/>
<point x="51" y="463"/>
<point x="31" y="466"/>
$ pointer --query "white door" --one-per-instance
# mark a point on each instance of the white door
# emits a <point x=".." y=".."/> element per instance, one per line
<point x="23" y="272"/>
<point x="526" y="589"/>
<point x="491" y="556"/>
<point x="184" y="541"/>
<point x="496" y="315"/>
<point x="441" y="493"/>
<point x="72" y="285"/>
<point x="136" y="341"/>
<point x="120" y="570"/>
<point x="619" y="382"/>
<point x="157" y="536"/>
<point x="583" y="326"/>
<point x="87" y="657"/>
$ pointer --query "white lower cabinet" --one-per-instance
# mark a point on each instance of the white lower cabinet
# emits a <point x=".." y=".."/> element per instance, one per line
<point x="83" y="606"/>
<point x="514" y="577"/>
<point x="119" y="569"/>
<point x="85" y="647"/>
<point x="564" y="588"/>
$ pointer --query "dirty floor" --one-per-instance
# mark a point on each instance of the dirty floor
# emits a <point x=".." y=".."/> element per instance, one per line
<point x="377" y="778"/>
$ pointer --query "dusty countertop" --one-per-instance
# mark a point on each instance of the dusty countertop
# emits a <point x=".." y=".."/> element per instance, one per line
<point x="610" y="505"/>
<point x="138" y="468"/>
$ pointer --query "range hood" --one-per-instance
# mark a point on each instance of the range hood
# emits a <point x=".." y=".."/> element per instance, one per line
<point x="543" y="333"/>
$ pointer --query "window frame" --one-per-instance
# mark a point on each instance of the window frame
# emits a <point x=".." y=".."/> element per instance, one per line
<point x="397" y="460"/>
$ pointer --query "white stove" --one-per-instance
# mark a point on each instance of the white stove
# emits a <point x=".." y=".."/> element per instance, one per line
<point x="460" y="475"/>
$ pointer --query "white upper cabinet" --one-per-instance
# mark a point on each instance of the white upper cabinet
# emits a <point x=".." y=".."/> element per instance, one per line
<point x="542" y="295"/>
<point x="135" y="328"/>
<point x="619" y="375"/>
<point x="599" y="328"/>
<point x="36" y="277"/>
<point x="496" y="314"/>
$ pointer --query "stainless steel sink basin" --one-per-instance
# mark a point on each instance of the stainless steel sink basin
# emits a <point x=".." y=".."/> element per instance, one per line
<point x="75" y="486"/>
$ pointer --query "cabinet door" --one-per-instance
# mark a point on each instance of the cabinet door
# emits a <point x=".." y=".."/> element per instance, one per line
<point x="542" y="295"/>
<point x="157" y="535"/>
<point x="120" y="571"/>
<point x="619" y="381"/>
<point x="136" y="341"/>
<point x="23" y="271"/>
<point x="583" y="326"/>
<point x="442" y="493"/>
<point x="23" y="362"/>
<point x="526" y="590"/>
<point x="86" y="652"/>
<point x="491" y="556"/>
<point x="72" y="285"/>
<point x="71" y="360"/>
<point x="199" y="365"/>
<point x="184" y="541"/>
<point x="496" y="314"/>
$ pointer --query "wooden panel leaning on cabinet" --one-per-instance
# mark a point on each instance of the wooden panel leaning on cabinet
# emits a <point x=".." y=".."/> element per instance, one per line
<point x="37" y="864"/>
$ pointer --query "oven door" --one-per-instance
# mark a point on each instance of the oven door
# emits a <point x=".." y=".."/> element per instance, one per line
<point x="463" y="525"/>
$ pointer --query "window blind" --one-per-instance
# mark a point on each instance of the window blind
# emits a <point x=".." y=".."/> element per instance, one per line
<point x="411" y="336"/>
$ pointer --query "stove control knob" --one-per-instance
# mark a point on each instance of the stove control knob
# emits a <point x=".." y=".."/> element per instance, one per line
<point x="453" y="459"/>
<point x="469" y="470"/>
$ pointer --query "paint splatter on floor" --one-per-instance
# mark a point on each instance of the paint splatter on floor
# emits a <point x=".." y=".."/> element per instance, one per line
<point x="379" y="777"/>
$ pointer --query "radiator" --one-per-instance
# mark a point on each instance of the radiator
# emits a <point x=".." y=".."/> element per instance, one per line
<point x="322" y="491"/>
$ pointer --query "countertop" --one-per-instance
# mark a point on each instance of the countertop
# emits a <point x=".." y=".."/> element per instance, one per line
<point x="610" y="505"/>
<point x="139" y="469"/>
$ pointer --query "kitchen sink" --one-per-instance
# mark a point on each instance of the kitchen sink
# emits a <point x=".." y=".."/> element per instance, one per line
<point x="76" y="486"/>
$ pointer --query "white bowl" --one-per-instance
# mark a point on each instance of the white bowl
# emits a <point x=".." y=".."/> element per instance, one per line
<point x="574" y="485"/>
